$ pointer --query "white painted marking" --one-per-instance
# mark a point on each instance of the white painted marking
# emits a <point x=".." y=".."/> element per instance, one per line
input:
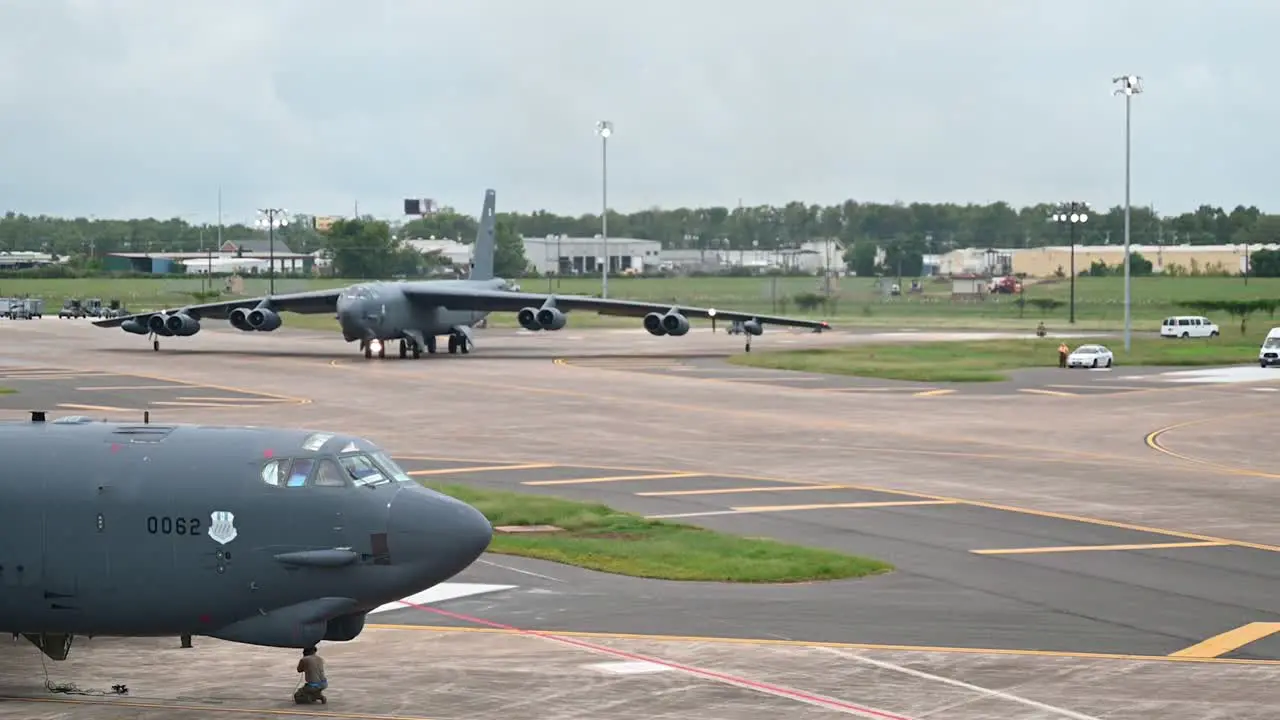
<point x="518" y="570"/>
<point x="629" y="668"/>
<point x="1101" y="369"/>
<point x="1009" y="697"/>
<point x="440" y="593"/>
<point x="1266" y="389"/>
<point x="1232" y="374"/>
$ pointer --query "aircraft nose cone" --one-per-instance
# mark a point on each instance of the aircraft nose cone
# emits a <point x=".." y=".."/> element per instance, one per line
<point x="436" y="532"/>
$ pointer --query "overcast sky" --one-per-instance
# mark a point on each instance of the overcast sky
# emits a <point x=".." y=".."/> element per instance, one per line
<point x="140" y="107"/>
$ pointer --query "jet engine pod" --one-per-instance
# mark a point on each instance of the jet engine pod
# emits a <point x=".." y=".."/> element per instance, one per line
<point x="345" y="627"/>
<point x="675" y="324"/>
<point x="528" y="319"/>
<point x="264" y="319"/>
<point x="752" y="327"/>
<point x="653" y="323"/>
<point x="135" y="326"/>
<point x="158" y="324"/>
<point x="551" y="319"/>
<point x="182" y="324"/>
<point x="239" y="319"/>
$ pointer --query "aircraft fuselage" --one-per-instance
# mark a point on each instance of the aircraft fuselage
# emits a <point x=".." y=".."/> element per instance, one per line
<point x="381" y="311"/>
<point x="255" y="535"/>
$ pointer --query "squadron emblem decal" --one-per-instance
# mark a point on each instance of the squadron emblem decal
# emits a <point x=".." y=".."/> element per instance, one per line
<point x="222" y="526"/>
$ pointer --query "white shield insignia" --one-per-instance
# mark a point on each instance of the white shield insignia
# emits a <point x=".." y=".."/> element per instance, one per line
<point x="222" y="527"/>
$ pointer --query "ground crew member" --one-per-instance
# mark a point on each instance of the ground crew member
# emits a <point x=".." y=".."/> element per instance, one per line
<point x="312" y="667"/>
<point x="1062" y="354"/>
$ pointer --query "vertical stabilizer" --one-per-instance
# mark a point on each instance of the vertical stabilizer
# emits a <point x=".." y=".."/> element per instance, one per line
<point x="482" y="260"/>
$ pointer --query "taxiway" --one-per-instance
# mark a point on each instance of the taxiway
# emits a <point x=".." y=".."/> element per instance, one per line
<point x="1080" y="555"/>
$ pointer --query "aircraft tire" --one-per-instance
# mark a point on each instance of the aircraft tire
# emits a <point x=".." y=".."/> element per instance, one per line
<point x="382" y="352"/>
<point x="431" y="344"/>
<point x="417" y="351"/>
<point x="368" y="352"/>
<point x="404" y="350"/>
<point x="155" y="345"/>
<point x="453" y="344"/>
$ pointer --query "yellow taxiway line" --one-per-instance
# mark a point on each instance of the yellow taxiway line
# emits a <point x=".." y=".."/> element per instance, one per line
<point x="98" y="408"/>
<point x="1152" y="441"/>
<point x="772" y="642"/>
<point x="733" y="491"/>
<point x="482" y="468"/>
<point x="1041" y="391"/>
<point x="750" y="509"/>
<point x="613" y="478"/>
<point x="1088" y="548"/>
<point x="1231" y="640"/>
<point x="933" y="393"/>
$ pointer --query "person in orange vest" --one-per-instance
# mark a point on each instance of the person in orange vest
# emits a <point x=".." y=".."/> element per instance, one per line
<point x="1062" y="354"/>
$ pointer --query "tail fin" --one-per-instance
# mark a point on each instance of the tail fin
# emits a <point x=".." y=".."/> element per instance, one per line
<point x="482" y="259"/>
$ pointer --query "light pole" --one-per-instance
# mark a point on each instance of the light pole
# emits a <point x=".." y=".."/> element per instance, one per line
<point x="1130" y="85"/>
<point x="604" y="129"/>
<point x="1073" y="213"/>
<point x="272" y="218"/>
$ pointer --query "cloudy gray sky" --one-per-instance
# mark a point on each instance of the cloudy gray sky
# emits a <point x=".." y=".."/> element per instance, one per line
<point x="141" y="107"/>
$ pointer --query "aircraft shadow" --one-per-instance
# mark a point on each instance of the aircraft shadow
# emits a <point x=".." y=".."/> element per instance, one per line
<point x="477" y="355"/>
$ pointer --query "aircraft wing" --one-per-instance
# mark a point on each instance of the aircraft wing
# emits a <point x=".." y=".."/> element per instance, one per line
<point x="463" y="298"/>
<point x="306" y="303"/>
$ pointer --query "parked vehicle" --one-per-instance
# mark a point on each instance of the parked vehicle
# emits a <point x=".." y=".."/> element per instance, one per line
<point x="1188" y="326"/>
<point x="1269" y="353"/>
<point x="1090" y="356"/>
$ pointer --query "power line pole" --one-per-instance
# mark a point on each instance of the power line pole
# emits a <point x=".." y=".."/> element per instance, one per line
<point x="272" y="217"/>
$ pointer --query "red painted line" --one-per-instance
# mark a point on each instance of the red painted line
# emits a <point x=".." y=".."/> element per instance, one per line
<point x="830" y="703"/>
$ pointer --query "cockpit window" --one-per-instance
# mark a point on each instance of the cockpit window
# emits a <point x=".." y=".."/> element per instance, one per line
<point x="271" y="473"/>
<point x="390" y="467"/>
<point x="299" y="472"/>
<point x="362" y="470"/>
<point x="330" y="475"/>
<point x="359" y="292"/>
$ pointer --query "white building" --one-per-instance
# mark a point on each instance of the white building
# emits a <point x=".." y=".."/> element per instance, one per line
<point x="564" y="255"/>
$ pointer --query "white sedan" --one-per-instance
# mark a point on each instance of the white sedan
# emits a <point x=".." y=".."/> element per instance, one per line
<point x="1090" y="356"/>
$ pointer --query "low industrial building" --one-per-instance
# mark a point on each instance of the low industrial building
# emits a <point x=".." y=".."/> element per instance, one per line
<point x="564" y="255"/>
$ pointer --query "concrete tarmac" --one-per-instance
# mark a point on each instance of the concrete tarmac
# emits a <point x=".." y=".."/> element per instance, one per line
<point x="1030" y="474"/>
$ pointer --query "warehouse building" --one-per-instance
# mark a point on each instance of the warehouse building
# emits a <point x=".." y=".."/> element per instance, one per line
<point x="564" y="255"/>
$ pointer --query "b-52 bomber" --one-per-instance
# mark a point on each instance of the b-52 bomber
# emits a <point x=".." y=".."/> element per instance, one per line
<point x="417" y="312"/>
<point x="264" y="536"/>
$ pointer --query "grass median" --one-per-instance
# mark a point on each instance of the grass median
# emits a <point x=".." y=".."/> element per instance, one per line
<point x="597" y="537"/>
<point x="7" y="391"/>
<point x="991" y="360"/>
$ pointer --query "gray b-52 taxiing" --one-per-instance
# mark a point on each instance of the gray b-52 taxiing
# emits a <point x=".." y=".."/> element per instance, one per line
<point x="273" y="537"/>
<point x="416" y="313"/>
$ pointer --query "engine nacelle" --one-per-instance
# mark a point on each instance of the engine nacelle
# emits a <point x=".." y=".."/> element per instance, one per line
<point x="345" y="627"/>
<point x="158" y="324"/>
<point x="551" y="319"/>
<point x="528" y="319"/>
<point x="182" y="324"/>
<point x="239" y="319"/>
<point x="264" y="320"/>
<point x="653" y="323"/>
<point x="135" y="326"/>
<point x="752" y="327"/>
<point x="675" y="324"/>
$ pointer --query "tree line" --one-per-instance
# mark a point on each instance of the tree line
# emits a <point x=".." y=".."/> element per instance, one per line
<point x="905" y="229"/>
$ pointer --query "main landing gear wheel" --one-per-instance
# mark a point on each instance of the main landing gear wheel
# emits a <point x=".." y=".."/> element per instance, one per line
<point x="431" y="344"/>
<point x="458" y="344"/>
<point x="155" y="345"/>
<point x="404" y="349"/>
<point x="417" y="351"/>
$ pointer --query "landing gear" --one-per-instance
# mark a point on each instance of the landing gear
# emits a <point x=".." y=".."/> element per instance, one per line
<point x="407" y="345"/>
<point x="431" y="344"/>
<point x="155" y="345"/>
<point x="404" y="349"/>
<point x="748" y="349"/>
<point x="367" y="345"/>
<point x="458" y="344"/>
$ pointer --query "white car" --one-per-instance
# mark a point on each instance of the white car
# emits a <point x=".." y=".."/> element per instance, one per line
<point x="1188" y="326"/>
<point x="1090" y="356"/>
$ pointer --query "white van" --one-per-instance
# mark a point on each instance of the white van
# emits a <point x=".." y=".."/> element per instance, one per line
<point x="1185" y="326"/>
<point x="1269" y="353"/>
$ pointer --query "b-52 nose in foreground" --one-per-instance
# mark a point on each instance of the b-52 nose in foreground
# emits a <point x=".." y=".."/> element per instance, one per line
<point x="264" y="536"/>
